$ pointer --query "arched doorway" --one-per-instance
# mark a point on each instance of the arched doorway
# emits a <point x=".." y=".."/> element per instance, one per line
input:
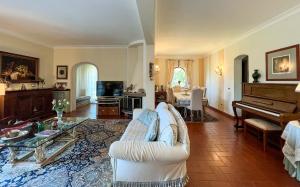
<point x="241" y="74"/>
<point x="84" y="78"/>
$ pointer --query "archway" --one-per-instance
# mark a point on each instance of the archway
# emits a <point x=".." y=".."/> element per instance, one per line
<point x="75" y="92"/>
<point x="241" y="74"/>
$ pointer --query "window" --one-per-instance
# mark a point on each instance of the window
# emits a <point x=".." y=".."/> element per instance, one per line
<point x="179" y="78"/>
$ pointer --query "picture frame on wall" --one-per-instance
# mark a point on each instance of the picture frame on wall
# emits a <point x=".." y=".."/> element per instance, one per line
<point x="62" y="72"/>
<point x="283" y="64"/>
<point x="19" y="68"/>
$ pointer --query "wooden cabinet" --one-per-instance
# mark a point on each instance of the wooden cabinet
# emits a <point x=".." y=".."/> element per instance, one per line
<point x="108" y="106"/>
<point x="28" y="104"/>
<point x="108" y="111"/>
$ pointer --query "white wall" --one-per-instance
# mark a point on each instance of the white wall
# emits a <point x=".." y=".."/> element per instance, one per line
<point x="45" y="54"/>
<point x="134" y="66"/>
<point x="111" y="63"/>
<point x="148" y="101"/>
<point x="281" y="34"/>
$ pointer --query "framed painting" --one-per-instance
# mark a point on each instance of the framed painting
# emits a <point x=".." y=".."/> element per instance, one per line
<point x="18" y="68"/>
<point x="283" y="64"/>
<point x="62" y="72"/>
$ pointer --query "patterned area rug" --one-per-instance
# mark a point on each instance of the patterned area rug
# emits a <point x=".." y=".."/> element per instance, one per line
<point x="85" y="164"/>
<point x="196" y="119"/>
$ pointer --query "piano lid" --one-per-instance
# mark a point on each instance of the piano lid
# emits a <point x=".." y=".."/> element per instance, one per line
<point x="273" y="97"/>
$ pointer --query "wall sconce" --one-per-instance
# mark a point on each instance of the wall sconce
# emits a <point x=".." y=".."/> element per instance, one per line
<point x="156" y="68"/>
<point x="219" y="70"/>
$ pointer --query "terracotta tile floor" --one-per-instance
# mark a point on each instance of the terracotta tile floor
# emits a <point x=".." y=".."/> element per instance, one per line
<point x="220" y="157"/>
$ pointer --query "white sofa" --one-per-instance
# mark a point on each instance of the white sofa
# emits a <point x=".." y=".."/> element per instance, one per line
<point x="136" y="162"/>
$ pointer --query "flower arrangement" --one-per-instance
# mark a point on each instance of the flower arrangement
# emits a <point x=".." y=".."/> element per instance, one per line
<point x="59" y="105"/>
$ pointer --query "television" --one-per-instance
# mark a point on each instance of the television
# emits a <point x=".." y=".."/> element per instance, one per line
<point x="109" y="88"/>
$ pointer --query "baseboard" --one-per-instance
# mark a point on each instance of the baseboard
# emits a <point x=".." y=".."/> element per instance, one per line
<point x="221" y="112"/>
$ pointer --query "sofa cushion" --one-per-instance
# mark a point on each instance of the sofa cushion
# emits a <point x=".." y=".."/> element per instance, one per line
<point x="182" y="128"/>
<point x="167" y="127"/>
<point x="161" y="105"/>
<point x="135" y="131"/>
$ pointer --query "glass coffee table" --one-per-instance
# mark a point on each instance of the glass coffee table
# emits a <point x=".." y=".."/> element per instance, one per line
<point x="37" y="144"/>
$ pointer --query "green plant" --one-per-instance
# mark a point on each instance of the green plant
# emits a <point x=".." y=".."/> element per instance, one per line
<point x="59" y="105"/>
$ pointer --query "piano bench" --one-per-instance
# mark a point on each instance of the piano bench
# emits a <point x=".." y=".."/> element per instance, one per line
<point x="265" y="126"/>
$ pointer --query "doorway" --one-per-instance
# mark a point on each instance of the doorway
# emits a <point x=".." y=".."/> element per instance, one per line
<point x="86" y="78"/>
<point x="241" y="75"/>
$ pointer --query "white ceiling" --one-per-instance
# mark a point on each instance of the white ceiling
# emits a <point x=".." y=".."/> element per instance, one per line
<point x="72" y="22"/>
<point x="196" y="27"/>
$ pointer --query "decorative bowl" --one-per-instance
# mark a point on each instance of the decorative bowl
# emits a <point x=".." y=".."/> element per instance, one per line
<point x="14" y="135"/>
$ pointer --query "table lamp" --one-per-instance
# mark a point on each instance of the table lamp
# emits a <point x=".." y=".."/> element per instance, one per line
<point x="298" y="88"/>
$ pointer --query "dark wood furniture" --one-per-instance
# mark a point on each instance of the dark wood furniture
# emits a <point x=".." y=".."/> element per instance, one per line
<point x="160" y="96"/>
<point x="108" y="106"/>
<point x="278" y="103"/>
<point x="267" y="128"/>
<point x="28" y="104"/>
<point x="132" y="100"/>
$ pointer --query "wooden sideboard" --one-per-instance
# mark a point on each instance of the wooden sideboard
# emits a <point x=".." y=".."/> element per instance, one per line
<point x="28" y="104"/>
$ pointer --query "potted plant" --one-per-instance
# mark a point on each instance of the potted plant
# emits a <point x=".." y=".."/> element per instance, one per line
<point x="59" y="106"/>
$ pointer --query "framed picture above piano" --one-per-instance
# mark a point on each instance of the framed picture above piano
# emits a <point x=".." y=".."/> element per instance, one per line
<point x="283" y="64"/>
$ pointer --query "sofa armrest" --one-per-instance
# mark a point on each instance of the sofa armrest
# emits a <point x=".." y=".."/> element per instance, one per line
<point x="140" y="151"/>
<point x="136" y="113"/>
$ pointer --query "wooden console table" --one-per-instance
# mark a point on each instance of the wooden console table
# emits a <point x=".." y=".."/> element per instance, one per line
<point x="28" y="104"/>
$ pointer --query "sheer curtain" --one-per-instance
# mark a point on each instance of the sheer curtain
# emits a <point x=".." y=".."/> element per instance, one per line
<point x="187" y="66"/>
<point x="87" y="76"/>
<point x="171" y="65"/>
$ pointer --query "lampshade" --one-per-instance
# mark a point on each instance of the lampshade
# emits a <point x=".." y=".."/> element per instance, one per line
<point x="298" y="88"/>
<point x="2" y="88"/>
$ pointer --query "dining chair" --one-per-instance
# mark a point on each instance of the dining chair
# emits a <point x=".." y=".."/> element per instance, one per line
<point x="195" y="104"/>
<point x="170" y="96"/>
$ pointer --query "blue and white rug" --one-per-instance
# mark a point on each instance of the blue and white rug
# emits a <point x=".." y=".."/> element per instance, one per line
<point x="85" y="164"/>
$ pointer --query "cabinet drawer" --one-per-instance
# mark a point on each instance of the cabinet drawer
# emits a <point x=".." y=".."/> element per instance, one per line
<point x="108" y="111"/>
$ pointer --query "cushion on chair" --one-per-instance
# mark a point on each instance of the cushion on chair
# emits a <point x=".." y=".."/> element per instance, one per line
<point x="263" y="124"/>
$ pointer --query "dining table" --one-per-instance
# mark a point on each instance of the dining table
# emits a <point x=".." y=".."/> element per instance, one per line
<point x="183" y="99"/>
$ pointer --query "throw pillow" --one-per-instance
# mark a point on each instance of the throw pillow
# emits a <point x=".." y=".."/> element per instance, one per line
<point x="150" y="119"/>
<point x="151" y="134"/>
<point x="147" y="116"/>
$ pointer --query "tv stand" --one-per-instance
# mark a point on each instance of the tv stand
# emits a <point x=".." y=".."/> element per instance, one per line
<point x="108" y="106"/>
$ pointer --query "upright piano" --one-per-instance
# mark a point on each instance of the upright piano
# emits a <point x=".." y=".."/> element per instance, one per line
<point x="278" y="103"/>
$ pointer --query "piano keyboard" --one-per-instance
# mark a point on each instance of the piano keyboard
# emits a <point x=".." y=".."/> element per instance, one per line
<point x="260" y="110"/>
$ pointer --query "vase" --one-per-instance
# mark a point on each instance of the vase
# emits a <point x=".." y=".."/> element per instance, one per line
<point x="255" y="76"/>
<point x="59" y="117"/>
